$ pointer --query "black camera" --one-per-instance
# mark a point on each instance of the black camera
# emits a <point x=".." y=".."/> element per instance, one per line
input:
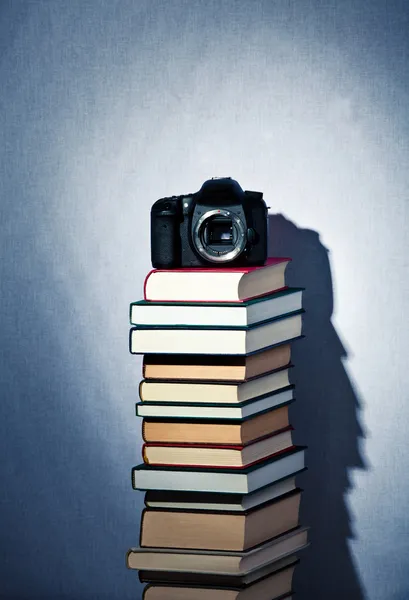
<point x="218" y="225"/>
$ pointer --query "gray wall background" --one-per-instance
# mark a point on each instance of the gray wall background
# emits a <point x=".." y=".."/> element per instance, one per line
<point x="106" y="106"/>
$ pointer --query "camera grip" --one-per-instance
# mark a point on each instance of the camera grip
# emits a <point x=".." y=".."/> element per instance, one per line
<point x="165" y="241"/>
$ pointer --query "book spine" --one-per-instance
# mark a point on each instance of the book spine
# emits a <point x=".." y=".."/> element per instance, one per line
<point x="133" y="470"/>
<point x="144" y="430"/>
<point x="130" y="341"/>
<point x="128" y="554"/>
<point x="142" y="527"/>
<point x="146" y="590"/>
<point x="145" y="283"/>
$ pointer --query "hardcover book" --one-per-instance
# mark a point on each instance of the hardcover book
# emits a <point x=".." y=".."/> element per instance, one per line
<point x="217" y="580"/>
<point x="274" y="585"/>
<point x="261" y="590"/>
<point x="248" y="312"/>
<point x="215" y="284"/>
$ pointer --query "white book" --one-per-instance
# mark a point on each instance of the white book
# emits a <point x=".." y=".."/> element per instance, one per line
<point x="245" y="313"/>
<point x="215" y="284"/>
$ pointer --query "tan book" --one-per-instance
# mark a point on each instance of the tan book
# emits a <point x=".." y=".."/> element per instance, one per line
<point x="214" y="367"/>
<point x="206" y="392"/>
<point x="259" y="591"/>
<point x="217" y="580"/>
<point x="194" y="432"/>
<point x="220" y="531"/>
<point x="218" y="561"/>
<point x="273" y="586"/>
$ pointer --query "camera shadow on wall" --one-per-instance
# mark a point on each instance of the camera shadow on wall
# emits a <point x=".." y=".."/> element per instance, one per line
<point x="325" y="418"/>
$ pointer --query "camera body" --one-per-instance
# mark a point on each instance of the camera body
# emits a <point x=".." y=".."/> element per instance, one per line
<point x="220" y="225"/>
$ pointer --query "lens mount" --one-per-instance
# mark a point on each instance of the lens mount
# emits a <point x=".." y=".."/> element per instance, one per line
<point x="211" y="254"/>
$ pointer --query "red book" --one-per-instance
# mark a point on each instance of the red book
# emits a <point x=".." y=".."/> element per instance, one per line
<point x="218" y="455"/>
<point x="214" y="284"/>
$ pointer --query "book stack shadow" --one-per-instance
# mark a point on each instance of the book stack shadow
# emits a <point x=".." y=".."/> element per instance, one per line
<point x="221" y="516"/>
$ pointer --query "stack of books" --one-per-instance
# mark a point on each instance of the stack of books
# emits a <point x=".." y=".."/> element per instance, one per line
<point x="219" y="465"/>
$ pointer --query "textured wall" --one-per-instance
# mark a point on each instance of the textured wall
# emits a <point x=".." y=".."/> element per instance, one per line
<point x="106" y="106"/>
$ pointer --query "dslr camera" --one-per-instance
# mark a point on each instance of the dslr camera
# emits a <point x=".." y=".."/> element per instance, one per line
<point x="219" y="225"/>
